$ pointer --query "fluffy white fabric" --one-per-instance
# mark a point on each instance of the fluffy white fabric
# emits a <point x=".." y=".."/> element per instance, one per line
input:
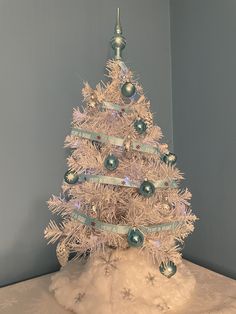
<point x="121" y="282"/>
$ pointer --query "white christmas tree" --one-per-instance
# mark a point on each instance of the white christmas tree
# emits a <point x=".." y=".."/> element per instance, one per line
<point x="121" y="203"/>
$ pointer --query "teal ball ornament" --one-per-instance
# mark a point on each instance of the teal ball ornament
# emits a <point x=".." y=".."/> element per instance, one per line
<point x="169" y="159"/>
<point x="140" y="126"/>
<point x="128" y="89"/>
<point x="147" y="189"/>
<point x="135" y="237"/>
<point x="71" y="177"/>
<point x="111" y="162"/>
<point x="168" y="269"/>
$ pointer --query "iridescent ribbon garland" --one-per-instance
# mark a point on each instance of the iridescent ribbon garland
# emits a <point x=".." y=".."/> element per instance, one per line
<point x="103" y="138"/>
<point x="123" y="229"/>
<point x="135" y="145"/>
<point x="116" y="107"/>
<point x="125" y="181"/>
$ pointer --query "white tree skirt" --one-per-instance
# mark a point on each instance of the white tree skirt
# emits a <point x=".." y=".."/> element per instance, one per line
<point x="121" y="282"/>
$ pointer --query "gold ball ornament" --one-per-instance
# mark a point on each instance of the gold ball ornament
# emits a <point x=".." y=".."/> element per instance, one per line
<point x="93" y="211"/>
<point x="93" y="207"/>
<point x="62" y="253"/>
<point x="166" y="206"/>
<point x="165" y="209"/>
<point x="92" y="104"/>
<point x="127" y="143"/>
<point x="92" y="101"/>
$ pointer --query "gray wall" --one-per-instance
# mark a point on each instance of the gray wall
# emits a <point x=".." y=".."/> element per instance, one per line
<point x="48" y="48"/>
<point x="204" y="111"/>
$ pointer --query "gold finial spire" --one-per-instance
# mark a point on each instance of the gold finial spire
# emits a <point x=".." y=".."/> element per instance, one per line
<point x="118" y="41"/>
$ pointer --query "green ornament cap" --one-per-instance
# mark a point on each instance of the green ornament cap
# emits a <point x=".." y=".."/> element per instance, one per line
<point x="169" y="158"/>
<point x="71" y="177"/>
<point x="168" y="269"/>
<point x="128" y="89"/>
<point x="111" y="162"/>
<point x="135" y="237"/>
<point x="147" y="189"/>
<point x="140" y="126"/>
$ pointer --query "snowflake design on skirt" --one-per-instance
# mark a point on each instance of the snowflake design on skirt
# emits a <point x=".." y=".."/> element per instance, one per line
<point x="109" y="263"/>
<point x="127" y="294"/>
<point x="79" y="297"/>
<point x="151" y="279"/>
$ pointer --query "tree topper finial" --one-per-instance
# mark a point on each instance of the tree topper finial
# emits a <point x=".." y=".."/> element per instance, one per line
<point x="118" y="41"/>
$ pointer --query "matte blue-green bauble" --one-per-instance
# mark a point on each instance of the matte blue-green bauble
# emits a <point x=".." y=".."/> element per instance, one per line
<point x="140" y="126"/>
<point x="168" y="269"/>
<point x="71" y="177"/>
<point x="111" y="162"/>
<point x="169" y="158"/>
<point x="128" y="89"/>
<point x="147" y="189"/>
<point x="135" y="237"/>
